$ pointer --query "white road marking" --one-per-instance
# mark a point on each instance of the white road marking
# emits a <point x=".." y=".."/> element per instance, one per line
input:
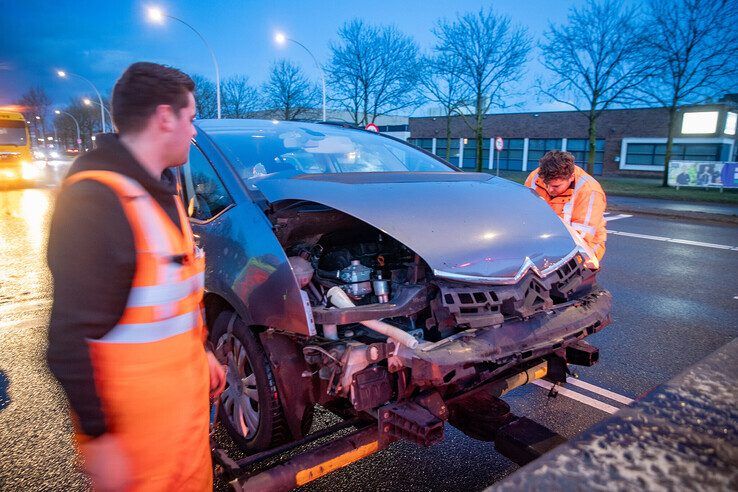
<point x="577" y="396"/>
<point x="676" y="241"/>
<point x="600" y="391"/>
<point x="617" y="217"/>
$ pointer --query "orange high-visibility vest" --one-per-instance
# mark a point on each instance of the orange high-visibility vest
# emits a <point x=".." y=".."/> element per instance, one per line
<point x="150" y="370"/>
<point x="581" y="208"/>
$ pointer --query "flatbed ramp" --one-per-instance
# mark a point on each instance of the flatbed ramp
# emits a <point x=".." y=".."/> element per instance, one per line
<point x="681" y="436"/>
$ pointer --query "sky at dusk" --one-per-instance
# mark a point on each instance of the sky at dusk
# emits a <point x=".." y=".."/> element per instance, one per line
<point x="98" y="40"/>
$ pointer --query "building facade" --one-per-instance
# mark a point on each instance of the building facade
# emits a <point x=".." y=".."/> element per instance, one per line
<point x="629" y="141"/>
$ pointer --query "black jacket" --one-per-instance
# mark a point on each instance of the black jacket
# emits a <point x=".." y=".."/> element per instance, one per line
<point x="92" y="259"/>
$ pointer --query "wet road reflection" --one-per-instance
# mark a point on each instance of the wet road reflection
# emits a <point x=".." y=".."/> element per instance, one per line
<point x="24" y="224"/>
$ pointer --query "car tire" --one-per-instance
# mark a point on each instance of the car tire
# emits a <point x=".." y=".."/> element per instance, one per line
<point x="250" y="408"/>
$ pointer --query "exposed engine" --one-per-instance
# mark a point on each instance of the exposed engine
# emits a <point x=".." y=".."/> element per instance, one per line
<point x="374" y="300"/>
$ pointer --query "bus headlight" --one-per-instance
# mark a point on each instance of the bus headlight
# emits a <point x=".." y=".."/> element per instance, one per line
<point x="30" y="171"/>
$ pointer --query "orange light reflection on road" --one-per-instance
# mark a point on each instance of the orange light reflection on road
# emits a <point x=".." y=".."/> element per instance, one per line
<point x="33" y="208"/>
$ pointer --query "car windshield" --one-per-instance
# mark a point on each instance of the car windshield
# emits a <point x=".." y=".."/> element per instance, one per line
<point x="306" y="150"/>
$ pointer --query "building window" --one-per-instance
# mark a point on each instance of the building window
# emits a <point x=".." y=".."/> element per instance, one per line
<point x="511" y="156"/>
<point x="453" y="156"/>
<point x="470" y="153"/>
<point x="654" y="154"/>
<point x="579" y="147"/>
<point x="423" y="143"/>
<point x="537" y="147"/>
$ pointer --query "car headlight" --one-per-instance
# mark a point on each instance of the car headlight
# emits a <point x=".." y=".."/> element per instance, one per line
<point x="37" y="154"/>
<point x="54" y="154"/>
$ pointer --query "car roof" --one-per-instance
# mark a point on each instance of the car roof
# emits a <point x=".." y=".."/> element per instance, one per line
<point x="231" y="125"/>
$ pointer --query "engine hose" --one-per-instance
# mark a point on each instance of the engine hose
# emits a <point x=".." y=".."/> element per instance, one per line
<point x="340" y="299"/>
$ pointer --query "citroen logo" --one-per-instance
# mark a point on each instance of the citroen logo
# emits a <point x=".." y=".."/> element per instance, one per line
<point x="525" y="267"/>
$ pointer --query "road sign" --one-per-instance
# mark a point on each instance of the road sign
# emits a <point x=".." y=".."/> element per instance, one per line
<point x="499" y="144"/>
<point x="372" y="128"/>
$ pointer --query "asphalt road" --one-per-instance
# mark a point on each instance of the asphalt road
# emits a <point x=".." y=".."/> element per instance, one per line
<point x="674" y="303"/>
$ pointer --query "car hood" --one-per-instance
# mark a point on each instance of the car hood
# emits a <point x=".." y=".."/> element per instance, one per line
<point x="467" y="226"/>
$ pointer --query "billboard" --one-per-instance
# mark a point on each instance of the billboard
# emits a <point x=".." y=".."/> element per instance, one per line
<point x="703" y="174"/>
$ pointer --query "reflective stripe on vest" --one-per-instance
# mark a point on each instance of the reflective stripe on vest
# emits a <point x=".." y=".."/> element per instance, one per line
<point x="164" y="300"/>
<point x="569" y="206"/>
<point x="533" y="181"/>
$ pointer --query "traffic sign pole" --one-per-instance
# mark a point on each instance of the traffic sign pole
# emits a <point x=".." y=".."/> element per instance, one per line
<point x="499" y="145"/>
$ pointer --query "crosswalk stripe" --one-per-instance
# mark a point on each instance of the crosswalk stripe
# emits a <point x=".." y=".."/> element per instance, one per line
<point x="577" y="396"/>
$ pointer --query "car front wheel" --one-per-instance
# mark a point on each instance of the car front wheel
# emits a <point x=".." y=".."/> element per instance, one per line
<point x="250" y="409"/>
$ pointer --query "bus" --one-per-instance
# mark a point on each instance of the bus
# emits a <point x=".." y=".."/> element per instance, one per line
<point x="16" y="158"/>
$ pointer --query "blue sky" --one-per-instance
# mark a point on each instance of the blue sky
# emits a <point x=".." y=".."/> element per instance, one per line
<point x="99" y="39"/>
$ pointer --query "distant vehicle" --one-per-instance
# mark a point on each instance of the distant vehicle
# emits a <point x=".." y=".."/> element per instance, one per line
<point x="17" y="162"/>
<point x="352" y="270"/>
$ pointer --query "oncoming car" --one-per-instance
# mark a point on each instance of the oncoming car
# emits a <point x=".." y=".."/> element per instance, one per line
<point x="353" y="271"/>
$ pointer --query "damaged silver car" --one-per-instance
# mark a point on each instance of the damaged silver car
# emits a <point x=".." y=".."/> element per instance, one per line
<point x="354" y="271"/>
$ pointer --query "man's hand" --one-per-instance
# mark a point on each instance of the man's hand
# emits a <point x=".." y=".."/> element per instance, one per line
<point x="106" y="463"/>
<point x="217" y="375"/>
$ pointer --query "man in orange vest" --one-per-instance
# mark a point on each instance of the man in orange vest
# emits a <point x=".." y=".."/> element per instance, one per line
<point x="126" y="336"/>
<point x="575" y="196"/>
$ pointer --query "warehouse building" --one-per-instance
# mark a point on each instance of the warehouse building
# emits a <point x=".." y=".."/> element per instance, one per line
<point x="629" y="141"/>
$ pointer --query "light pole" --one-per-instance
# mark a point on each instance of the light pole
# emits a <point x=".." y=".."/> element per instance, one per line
<point x="281" y="39"/>
<point x="79" y="137"/>
<point x="64" y="75"/>
<point x="156" y="15"/>
<point x="43" y="130"/>
<point x="89" y="102"/>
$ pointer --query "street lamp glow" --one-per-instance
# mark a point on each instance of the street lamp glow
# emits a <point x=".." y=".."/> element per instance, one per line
<point x="65" y="75"/>
<point x="56" y="111"/>
<point x="38" y="117"/>
<point x="155" y="14"/>
<point x="86" y="101"/>
<point x="281" y="39"/>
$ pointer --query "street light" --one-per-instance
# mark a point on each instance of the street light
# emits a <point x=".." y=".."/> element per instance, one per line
<point x="62" y="74"/>
<point x="89" y="102"/>
<point x="281" y="39"/>
<point x="79" y="137"/>
<point x="43" y="130"/>
<point x="156" y="16"/>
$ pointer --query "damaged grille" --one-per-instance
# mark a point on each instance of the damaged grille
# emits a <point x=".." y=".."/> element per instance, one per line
<point x="485" y="305"/>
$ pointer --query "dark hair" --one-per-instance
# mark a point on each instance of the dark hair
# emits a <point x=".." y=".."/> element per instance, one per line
<point x="143" y="87"/>
<point x="556" y="164"/>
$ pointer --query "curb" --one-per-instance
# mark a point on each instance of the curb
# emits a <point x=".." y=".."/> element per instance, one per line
<point x="676" y="214"/>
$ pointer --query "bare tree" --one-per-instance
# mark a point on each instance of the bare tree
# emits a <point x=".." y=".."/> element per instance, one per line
<point x="373" y="71"/>
<point x="288" y="92"/>
<point x="696" y="42"/>
<point x="491" y="54"/>
<point x="240" y="98"/>
<point x="596" y="61"/>
<point x="88" y="118"/>
<point x="439" y="78"/>
<point x="37" y="103"/>
<point x="205" y="97"/>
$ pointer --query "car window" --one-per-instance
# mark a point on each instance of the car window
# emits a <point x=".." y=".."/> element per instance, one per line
<point x="317" y="150"/>
<point x="204" y="192"/>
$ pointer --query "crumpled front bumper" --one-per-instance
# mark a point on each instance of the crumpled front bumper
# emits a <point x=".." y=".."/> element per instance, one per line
<point x="453" y="358"/>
